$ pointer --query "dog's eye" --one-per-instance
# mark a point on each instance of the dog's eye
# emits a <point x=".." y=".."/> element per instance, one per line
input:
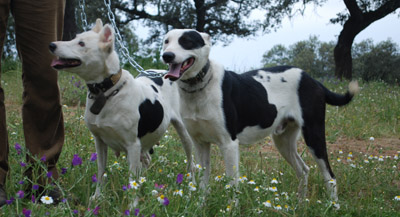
<point x="166" y="41"/>
<point x="82" y="44"/>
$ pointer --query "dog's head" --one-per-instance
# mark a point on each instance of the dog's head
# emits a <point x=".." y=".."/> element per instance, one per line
<point x="91" y="54"/>
<point x="186" y="52"/>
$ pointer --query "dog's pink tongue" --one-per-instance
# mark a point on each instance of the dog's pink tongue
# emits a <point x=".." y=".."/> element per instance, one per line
<point x="174" y="71"/>
<point x="56" y="62"/>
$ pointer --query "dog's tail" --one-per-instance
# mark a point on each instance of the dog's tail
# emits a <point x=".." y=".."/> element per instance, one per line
<point x="338" y="99"/>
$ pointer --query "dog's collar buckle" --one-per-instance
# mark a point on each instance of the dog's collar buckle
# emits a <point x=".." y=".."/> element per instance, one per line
<point x="106" y="84"/>
<point x="199" y="77"/>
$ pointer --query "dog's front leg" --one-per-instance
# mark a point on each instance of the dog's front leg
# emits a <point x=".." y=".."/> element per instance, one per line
<point x="134" y="152"/>
<point x="187" y="143"/>
<point x="230" y="151"/>
<point x="101" y="149"/>
<point x="203" y="158"/>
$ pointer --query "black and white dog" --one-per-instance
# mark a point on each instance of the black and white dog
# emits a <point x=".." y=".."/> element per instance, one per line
<point x="229" y="109"/>
<point x="125" y="113"/>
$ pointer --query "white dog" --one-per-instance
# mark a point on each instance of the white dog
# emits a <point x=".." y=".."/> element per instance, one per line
<point x="229" y="109"/>
<point x="123" y="113"/>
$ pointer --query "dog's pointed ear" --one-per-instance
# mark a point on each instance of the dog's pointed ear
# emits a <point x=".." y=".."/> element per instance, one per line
<point x="107" y="38"/>
<point x="98" y="26"/>
<point x="206" y="37"/>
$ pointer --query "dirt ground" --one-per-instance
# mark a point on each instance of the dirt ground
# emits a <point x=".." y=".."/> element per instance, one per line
<point x="379" y="146"/>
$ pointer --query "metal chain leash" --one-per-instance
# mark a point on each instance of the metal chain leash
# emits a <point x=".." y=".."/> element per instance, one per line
<point x="82" y="4"/>
<point x="123" y="49"/>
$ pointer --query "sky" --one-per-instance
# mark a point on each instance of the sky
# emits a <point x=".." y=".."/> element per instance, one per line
<point x="244" y="54"/>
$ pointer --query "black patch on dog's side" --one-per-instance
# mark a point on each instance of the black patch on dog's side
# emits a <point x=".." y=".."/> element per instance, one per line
<point x="191" y="40"/>
<point x="245" y="103"/>
<point x="154" y="88"/>
<point x="151" y="116"/>
<point x="283" y="80"/>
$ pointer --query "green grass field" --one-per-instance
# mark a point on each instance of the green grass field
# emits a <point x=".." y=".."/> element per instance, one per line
<point x="368" y="182"/>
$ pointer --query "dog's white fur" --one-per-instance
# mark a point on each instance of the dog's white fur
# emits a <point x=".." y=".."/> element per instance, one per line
<point x="116" y="126"/>
<point x="204" y="118"/>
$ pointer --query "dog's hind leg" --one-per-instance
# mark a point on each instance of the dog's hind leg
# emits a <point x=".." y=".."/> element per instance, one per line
<point x="286" y="143"/>
<point x="315" y="140"/>
<point x="186" y="142"/>
<point x="101" y="149"/>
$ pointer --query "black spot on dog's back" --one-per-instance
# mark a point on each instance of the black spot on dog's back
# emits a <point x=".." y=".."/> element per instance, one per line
<point x="245" y="103"/>
<point x="151" y="116"/>
<point x="157" y="80"/>
<point x="191" y="40"/>
<point x="154" y="88"/>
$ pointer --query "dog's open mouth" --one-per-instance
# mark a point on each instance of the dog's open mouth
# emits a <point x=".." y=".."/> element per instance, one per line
<point x="176" y="70"/>
<point x="62" y="63"/>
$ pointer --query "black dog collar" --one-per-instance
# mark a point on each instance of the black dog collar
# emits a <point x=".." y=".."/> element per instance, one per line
<point x="106" y="84"/>
<point x="199" y="77"/>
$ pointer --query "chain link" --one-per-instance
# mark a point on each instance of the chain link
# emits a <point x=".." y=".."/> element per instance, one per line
<point x="82" y="4"/>
<point x="123" y="49"/>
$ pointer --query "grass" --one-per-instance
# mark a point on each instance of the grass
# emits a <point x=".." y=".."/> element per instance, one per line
<point x="367" y="185"/>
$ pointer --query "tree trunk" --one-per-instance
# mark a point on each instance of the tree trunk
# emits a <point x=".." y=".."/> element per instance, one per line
<point x="342" y="52"/>
<point x="357" y="22"/>
<point x="70" y="28"/>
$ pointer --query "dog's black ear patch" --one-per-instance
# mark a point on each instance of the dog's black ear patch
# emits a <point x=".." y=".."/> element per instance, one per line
<point x="191" y="40"/>
<point x="151" y="116"/>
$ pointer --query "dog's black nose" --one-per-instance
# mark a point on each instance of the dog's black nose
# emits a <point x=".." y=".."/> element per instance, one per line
<point x="168" y="57"/>
<point x="52" y="47"/>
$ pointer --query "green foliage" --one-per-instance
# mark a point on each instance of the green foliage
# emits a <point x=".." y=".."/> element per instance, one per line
<point x="312" y="55"/>
<point x="370" y="62"/>
<point x="377" y="62"/>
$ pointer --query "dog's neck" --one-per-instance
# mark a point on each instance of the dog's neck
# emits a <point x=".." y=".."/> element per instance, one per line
<point x="106" y="84"/>
<point x="199" y="77"/>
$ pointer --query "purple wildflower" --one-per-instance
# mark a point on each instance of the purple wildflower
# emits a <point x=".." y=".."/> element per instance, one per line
<point x="159" y="186"/>
<point x="21" y="182"/>
<point x="18" y="147"/>
<point x="127" y="212"/>
<point x="20" y="194"/>
<point x="35" y="187"/>
<point x="33" y="199"/>
<point x="26" y="212"/>
<point x="94" y="178"/>
<point x="76" y="160"/>
<point x="10" y="201"/>
<point x="179" y="178"/>
<point x="63" y="170"/>
<point x="22" y="164"/>
<point x="166" y="201"/>
<point x="136" y="212"/>
<point x="154" y="215"/>
<point x="96" y="210"/>
<point x="75" y="211"/>
<point x="124" y="188"/>
<point x="93" y="156"/>
<point x="43" y="159"/>
<point x="49" y="174"/>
